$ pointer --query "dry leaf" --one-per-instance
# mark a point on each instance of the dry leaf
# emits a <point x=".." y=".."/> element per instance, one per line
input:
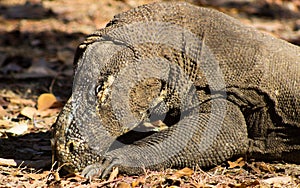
<point x="57" y="104"/>
<point x="38" y="176"/>
<point x="56" y="176"/>
<point x="48" y="121"/>
<point x="239" y="162"/>
<point x="45" y="101"/>
<point x="27" y="102"/>
<point x="113" y="174"/>
<point x="7" y="162"/>
<point x="278" y="180"/>
<point x="49" y="112"/>
<point x="265" y="167"/>
<point x="29" y="112"/>
<point x="183" y="172"/>
<point x="140" y="180"/>
<point x="156" y="125"/>
<point x="123" y="185"/>
<point x="2" y="112"/>
<point x="3" y="102"/>
<point x="18" y="129"/>
<point x="4" y="123"/>
<point x="159" y="125"/>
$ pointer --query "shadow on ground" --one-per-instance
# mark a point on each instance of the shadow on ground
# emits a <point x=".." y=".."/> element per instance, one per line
<point x="31" y="150"/>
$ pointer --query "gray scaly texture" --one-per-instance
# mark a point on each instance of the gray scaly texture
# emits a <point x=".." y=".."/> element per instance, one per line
<point x="175" y="85"/>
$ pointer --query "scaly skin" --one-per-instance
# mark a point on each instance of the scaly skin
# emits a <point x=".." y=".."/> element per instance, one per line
<point x="174" y="85"/>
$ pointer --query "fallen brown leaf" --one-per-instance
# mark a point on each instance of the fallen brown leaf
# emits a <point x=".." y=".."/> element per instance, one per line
<point x="4" y="123"/>
<point x="49" y="112"/>
<point x="29" y="112"/>
<point x="7" y="162"/>
<point x="45" y="101"/>
<point x="57" y="104"/>
<point x="27" y="102"/>
<point x="18" y="129"/>
<point x="278" y="180"/>
<point x="56" y="176"/>
<point x="3" y="102"/>
<point x="37" y="176"/>
<point x="139" y="181"/>
<point x="123" y="185"/>
<point x="239" y="162"/>
<point x="113" y="174"/>
<point x="183" y="172"/>
<point x="265" y="167"/>
<point x="2" y="112"/>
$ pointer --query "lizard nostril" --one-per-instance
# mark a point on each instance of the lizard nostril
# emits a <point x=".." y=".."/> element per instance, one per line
<point x="71" y="147"/>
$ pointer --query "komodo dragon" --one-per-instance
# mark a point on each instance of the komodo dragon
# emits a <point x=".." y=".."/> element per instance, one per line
<point x="175" y="85"/>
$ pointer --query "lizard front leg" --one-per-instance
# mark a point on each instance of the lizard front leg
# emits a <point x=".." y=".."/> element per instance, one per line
<point x="199" y="138"/>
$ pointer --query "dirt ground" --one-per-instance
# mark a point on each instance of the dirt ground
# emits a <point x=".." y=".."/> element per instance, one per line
<point x="38" y="39"/>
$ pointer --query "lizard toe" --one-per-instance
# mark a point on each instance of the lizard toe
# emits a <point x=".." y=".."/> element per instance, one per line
<point x="92" y="170"/>
<point x="100" y="169"/>
<point x="109" y="164"/>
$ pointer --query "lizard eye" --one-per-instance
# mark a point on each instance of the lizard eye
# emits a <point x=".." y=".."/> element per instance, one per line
<point x="98" y="88"/>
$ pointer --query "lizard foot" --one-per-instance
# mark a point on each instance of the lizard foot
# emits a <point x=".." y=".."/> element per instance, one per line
<point x="99" y="169"/>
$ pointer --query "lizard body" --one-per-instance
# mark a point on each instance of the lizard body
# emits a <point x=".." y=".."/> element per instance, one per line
<point x="174" y="85"/>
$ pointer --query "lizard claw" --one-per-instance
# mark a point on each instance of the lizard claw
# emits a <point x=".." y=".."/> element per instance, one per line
<point x="99" y="169"/>
<point x="92" y="170"/>
<point x="108" y="169"/>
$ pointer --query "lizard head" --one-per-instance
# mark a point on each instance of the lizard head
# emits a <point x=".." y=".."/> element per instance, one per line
<point x="84" y="130"/>
<point x="70" y="150"/>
